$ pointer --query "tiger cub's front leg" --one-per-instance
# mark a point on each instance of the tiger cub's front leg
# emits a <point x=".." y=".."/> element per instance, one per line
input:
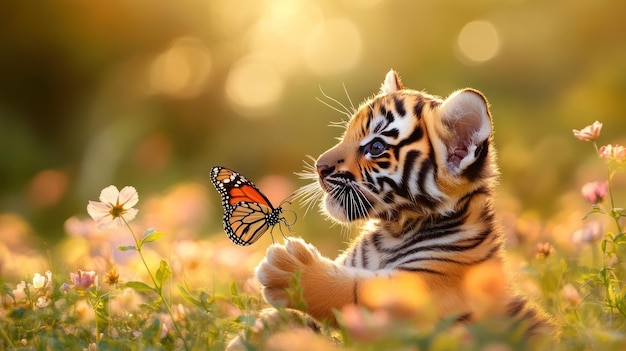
<point x="324" y="284"/>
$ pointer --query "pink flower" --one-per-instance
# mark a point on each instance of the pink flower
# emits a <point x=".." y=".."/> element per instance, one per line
<point x="543" y="250"/>
<point x="595" y="192"/>
<point x="81" y="280"/>
<point x="84" y="279"/>
<point x="616" y="153"/>
<point x="589" y="133"/>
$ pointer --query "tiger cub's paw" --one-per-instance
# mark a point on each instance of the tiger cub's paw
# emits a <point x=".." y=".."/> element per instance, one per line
<point x="281" y="264"/>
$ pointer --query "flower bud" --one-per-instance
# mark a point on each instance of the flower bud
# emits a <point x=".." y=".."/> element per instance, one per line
<point x="589" y="133"/>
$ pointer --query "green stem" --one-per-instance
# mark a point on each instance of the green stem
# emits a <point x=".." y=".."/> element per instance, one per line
<point x="145" y="264"/>
<point x="6" y="337"/>
<point x="158" y="289"/>
<point x="615" y="218"/>
<point x="608" y="284"/>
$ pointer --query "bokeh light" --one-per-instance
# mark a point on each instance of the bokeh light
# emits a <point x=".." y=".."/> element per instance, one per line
<point x="181" y="71"/>
<point x="278" y="33"/>
<point x="332" y="47"/>
<point x="48" y="187"/>
<point x="154" y="153"/>
<point x="478" y="41"/>
<point x="362" y="3"/>
<point x="254" y="85"/>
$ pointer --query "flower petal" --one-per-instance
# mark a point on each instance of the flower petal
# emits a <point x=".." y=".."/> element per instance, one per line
<point x="117" y="222"/>
<point x="75" y="278"/>
<point x="108" y="223"/>
<point x="130" y="214"/>
<point x="97" y="210"/>
<point x="128" y="197"/>
<point x="109" y="195"/>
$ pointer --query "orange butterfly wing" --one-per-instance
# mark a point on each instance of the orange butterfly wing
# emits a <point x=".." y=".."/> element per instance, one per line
<point x="248" y="222"/>
<point x="248" y="213"/>
<point x="247" y="193"/>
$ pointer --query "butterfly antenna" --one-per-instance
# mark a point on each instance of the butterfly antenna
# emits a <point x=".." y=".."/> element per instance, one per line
<point x="289" y="224"/>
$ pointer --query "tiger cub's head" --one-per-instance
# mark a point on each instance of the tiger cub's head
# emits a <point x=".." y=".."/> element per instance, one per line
<point x="405" y="151"/>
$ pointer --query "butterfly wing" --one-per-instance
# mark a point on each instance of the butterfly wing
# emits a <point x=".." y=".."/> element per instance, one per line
<point x="235" y="188"/>
<point x="248" y="214"/>
<point x="246" y="222"/>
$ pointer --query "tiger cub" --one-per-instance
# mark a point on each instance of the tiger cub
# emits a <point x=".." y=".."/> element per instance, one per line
<point x="419" y="171"/>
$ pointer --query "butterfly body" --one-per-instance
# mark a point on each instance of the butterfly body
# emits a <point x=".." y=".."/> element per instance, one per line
<point x="248" y="213"/>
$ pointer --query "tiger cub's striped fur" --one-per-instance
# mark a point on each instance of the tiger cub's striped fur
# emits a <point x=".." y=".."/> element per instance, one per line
<point x="420" y="171"/>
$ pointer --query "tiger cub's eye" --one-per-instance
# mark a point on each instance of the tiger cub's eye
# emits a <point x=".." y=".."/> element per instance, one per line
<point x="376" y="148"/>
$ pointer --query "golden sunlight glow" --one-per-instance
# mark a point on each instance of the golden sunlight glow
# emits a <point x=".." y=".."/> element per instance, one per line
<point x="478" y="41"/>
<point x="362" y="3"/>
<point x="332" y="47"/>
<point x="182" y="69"/>
<point x="290" y="19"/>
<point x="278" y="33"/>
<point x="253" y="84"/>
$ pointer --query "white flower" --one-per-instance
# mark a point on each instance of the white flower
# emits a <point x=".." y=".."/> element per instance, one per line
<point x="589" y="133"/>
<point x="39" y="281"/>
<point x="42" y="301"/>
<point x="42" y="281"/>
<point x="115" y="207"/>
<point x="571" y="295"/>
<point x="615" y="153"/>
<point x="20" y="291"/>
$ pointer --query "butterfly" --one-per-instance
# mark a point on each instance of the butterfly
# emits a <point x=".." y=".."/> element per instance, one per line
<point x="248" y="213"/>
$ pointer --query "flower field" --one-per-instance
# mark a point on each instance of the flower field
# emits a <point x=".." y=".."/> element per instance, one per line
<point x="137" y="288"/>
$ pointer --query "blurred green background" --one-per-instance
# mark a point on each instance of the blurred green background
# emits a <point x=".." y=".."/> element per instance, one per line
<point x="153" y="93"/>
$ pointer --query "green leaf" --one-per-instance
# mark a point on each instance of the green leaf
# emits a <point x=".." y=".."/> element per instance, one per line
<point x="127" y="248"/>
<point x="163" y="274"/>
<point x="149" y="235"/>
<point x="152" y="237"/>
<point x="139" y="286"/>
<point x="233" y="289"/>
<point x="184" y="292"/>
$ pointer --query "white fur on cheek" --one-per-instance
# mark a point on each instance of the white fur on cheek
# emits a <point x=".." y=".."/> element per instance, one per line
<point x="333" y="209"/>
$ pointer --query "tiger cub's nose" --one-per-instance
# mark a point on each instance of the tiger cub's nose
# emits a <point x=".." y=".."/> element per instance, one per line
<point x="324" y="170"/>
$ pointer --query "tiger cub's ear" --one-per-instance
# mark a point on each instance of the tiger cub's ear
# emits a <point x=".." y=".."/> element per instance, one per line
<point x="464" y="129"/>
<point x="392" y="83"/>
